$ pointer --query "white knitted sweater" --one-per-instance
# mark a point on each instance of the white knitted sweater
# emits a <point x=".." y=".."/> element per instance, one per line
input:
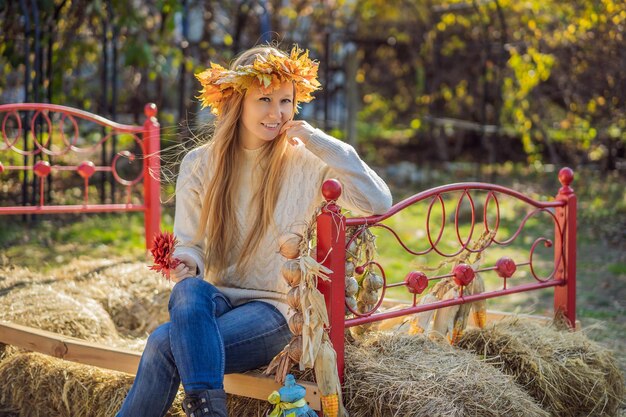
<point x="307" y="168"/>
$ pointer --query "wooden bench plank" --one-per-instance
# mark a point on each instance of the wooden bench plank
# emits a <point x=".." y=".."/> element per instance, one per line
<point x="252" y="384"/>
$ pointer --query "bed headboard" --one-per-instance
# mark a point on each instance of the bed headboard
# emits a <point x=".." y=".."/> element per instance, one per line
<point x="42" y="141"/>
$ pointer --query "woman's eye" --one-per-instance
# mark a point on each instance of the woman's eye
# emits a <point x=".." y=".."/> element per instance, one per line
<point x="286" y="100"/>
<point x="267" y="99"/>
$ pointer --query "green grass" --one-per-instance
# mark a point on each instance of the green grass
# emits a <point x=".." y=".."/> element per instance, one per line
<point x="47" y="242"/>
<point x="411" y="226"/>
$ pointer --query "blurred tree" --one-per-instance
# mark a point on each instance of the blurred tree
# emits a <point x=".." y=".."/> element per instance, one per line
<point x="487" y="80"/>
<point x="548" y="73"/>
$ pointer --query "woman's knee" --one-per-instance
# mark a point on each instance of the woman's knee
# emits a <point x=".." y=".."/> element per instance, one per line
<point x="192" y="293"/>
<point x="194" y="296"/>
<point x="158" y="343"/>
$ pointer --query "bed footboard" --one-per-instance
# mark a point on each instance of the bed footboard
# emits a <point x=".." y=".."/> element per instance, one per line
<point x="461" y="234"/>
<point x="40" y="141"/>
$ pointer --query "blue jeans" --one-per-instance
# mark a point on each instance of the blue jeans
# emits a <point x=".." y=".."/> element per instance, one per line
<point x="205" y="338"/>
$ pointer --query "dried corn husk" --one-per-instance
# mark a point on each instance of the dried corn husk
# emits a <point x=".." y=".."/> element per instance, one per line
<point x="295" y="323"/>
<point x="313" y="308"/>
<point x="280" y="365"/>
<point x="443" y="324"/>
<point x="289" y="245"/>
<point x="291" y="272"/>
<point x="442" y="287"/>
<point x="352" y="286"/>
<point x="479" y="308"/>
<point x="326" y="372"/>
<point x="293" y="298"/>
<point x="460" y="321"/>
<point x="420" y="321"/>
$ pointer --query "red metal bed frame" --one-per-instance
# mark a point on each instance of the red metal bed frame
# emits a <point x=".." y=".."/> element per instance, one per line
<point x="331" y="232"/>
<point x="146" y="136"/>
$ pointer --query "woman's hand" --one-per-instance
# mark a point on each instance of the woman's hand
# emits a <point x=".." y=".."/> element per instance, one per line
<point x="186" y="269"/>
<point x="297" y="129"/>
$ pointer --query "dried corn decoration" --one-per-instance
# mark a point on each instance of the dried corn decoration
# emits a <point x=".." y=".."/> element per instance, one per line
<point x="310" y="345"/>
<point x="450" y="322"/>
<point x="362" y="285"/>
<point x="291" y="245"/>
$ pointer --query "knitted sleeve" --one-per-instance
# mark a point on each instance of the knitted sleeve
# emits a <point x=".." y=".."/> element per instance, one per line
<point x="189" y="193"/>
<point x="364" y="192"/>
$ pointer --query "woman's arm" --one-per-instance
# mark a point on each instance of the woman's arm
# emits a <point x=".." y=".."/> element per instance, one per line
<point x="188" y="209"/>
<point x="363" y="190"/>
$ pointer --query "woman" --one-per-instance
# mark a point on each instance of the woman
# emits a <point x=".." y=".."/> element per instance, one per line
<point x="259" y="177"/>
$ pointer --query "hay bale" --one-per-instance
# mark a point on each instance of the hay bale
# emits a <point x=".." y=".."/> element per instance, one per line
<point x="245" y="406"/>
<point x="402" y="375"/>
<point x="40" y="386"/>
<point x="135" y="297"/>
<point x="563" y="370"/>
<point x="45" y="308"/>
<point x="8" y="350"/>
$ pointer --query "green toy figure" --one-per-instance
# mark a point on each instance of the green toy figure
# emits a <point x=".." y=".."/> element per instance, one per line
<point x="289" y="400"/>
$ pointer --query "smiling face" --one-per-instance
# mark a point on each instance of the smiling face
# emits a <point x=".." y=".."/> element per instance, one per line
<point x="264" y="114"/>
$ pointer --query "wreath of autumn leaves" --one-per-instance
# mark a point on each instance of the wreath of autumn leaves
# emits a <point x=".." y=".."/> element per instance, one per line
<point x="268" y="73"/>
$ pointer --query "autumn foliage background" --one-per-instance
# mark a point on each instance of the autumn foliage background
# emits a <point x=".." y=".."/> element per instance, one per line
<point x="483" y="81"/>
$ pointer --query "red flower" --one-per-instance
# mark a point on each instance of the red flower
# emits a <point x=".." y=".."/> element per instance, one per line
<point x="162" y="250"/>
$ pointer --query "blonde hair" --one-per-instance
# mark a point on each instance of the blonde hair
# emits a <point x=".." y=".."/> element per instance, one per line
<point x="218" y="223"/>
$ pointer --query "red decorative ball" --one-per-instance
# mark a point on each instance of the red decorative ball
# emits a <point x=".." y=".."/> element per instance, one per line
<point x="416" y="282"/>
<point x="331" y="189"/>
<point x="463" y="274"/>
<point x="86" y="169"/>
<point x="359" y="270"/>
<point x="566" y="176"/>
<point x="505" y="267"/>
<point x="150" y="110"/>
<point x="42" y="168"/>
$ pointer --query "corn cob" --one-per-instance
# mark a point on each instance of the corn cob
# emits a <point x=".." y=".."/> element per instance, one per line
<point x="330" y="405"/>
<point x="443" y="323"/>
<point x="479" y="308"/>
<point x="419" y="321"/>
<point x="460" y="322"/>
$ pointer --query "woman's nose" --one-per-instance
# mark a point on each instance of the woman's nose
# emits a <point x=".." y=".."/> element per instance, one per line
<point x="275" y="111"/>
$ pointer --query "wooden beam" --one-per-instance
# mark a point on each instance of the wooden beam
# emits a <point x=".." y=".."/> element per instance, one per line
<point x="69" y="348"/>
<point x="252" y="384"/>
